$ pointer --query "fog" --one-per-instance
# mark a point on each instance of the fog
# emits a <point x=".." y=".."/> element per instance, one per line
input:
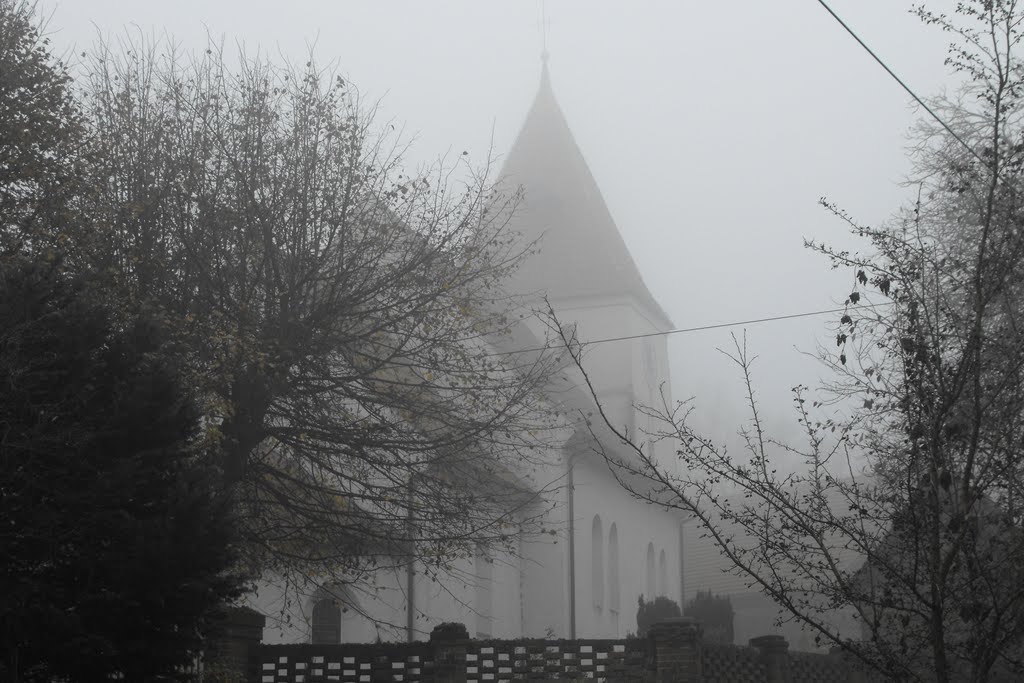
<point x="711" y="128"/>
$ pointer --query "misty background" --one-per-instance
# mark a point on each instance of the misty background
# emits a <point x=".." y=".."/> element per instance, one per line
<point x="712" y="130"/>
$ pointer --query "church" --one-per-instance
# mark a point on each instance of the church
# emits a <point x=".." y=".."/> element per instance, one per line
<point x="605" y="549"/>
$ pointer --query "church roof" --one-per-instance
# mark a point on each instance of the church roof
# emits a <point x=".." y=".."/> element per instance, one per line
<point x="581" y="250"/>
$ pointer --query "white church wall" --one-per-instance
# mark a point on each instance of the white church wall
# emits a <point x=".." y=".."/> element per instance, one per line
<point x="625" y="373"/>
<point x="506" y="602"/>
<point x="378" y="613"/>
<point x="607" y="364"/>
<point x="528" y="594"/>
<point x="650" y="367"/>
<point x="508" y="595"/>
<point x="544" y="577"/>
<point x="637" y="526"/>
<point x="445" y="598"/>
<point x="481" y="592"/>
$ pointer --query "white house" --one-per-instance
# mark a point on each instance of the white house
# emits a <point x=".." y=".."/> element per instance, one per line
<point x="606" y="549"/>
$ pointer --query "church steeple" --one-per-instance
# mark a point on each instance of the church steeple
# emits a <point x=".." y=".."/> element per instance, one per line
<point x="582" y="254"/>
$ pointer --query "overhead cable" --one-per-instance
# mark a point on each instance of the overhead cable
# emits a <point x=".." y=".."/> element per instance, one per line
<point x="700" y="328"/>
<point x="902" y="84"/>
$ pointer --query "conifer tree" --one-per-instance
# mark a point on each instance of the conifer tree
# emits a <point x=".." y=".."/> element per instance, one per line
<point x="117" y="533"/>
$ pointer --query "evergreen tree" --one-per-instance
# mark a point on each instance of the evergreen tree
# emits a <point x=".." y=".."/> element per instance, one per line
<point x="116" y="538"/>
<point x="715" y="614"/>
<point x="651" y="612"/>
<point x="41" y="160"/>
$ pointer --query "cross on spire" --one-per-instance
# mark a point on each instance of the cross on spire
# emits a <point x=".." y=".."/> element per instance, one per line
<point x="544" y="54"/>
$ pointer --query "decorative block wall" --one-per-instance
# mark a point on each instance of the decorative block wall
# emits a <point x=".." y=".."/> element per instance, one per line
<point x="674" y="652"/>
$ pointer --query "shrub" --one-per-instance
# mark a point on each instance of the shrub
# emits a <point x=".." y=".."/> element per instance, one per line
<point x="652" y="612"/>
<point x="715" y="613"/>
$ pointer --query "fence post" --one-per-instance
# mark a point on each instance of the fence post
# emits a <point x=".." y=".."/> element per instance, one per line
<point x="450" y="642"/>
<point x="775" y="657"/>
<point x="233" y="650"/>
<point x="677" y="645"/>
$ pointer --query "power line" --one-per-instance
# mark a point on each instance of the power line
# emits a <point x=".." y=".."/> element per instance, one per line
<point x="700" y="328"/>
<point x="755" y="321"/>
<point x="716" y="326"/>
<point x="902" y="84"/>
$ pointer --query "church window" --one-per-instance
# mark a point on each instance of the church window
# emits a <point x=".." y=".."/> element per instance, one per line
<point x="662" y="574"/>
<point x="326" y="623"/>
<point x="613" y="571"/>
<point x="650" y="571"/>
<point x="597" y="563"/>
<point x="484" y="603"/>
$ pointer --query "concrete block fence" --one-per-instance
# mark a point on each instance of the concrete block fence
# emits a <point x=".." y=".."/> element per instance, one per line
<point x="673" y="652"/>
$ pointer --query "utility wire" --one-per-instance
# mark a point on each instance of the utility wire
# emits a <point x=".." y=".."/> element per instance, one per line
<point x="902" y="84"/>
<point x="755" y="321"/>
<point x="680" y="330"/>
<point x="716" y="326"/>
<point x="809" y="313"/>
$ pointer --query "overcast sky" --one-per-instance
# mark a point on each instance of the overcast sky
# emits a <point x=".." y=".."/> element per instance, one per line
<point x="712" y="129"/>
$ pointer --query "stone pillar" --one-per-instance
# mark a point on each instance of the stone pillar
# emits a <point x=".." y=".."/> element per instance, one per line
<point x="450" y="642"/>
<point x="232" y="651"/>
<point x="775" y="657"/>
<point x="677" y="645"/>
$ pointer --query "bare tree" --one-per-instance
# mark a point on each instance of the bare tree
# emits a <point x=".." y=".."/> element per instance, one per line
<point x="907" y="510"/>
<point x="343" y="318"/>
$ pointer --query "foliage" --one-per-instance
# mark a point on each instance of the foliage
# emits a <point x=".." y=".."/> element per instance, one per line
<point x="906" y="513"/>
<point x="652" y="611"/>
<point x="115" y="535"/>
<point x="340" y="317"/>
<point x="115" y="538"/>
<point x="715" y="614"/>
<point x="40" y="137"/>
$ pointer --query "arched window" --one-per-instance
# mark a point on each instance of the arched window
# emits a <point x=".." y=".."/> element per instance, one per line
<point x="650" y="572"/>
<point x="662" y="574"/>
<point x="613" y="568"/>
<point x="335" y="616"/>
<point x="484" y="603"/>
<point x="597" y="563"/>
<point x="326" y="622"/>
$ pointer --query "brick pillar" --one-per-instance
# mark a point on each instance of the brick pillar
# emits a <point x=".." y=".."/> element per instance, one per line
<point x="677" y="645"/>
<point x="232" y="652"/>
<point x="775" y="657"/>
<point x="450" y="642"/>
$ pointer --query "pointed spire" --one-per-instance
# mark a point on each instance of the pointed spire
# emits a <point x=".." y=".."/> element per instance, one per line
<point x="582" y="253"/>
<point x="545" y="76"/>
